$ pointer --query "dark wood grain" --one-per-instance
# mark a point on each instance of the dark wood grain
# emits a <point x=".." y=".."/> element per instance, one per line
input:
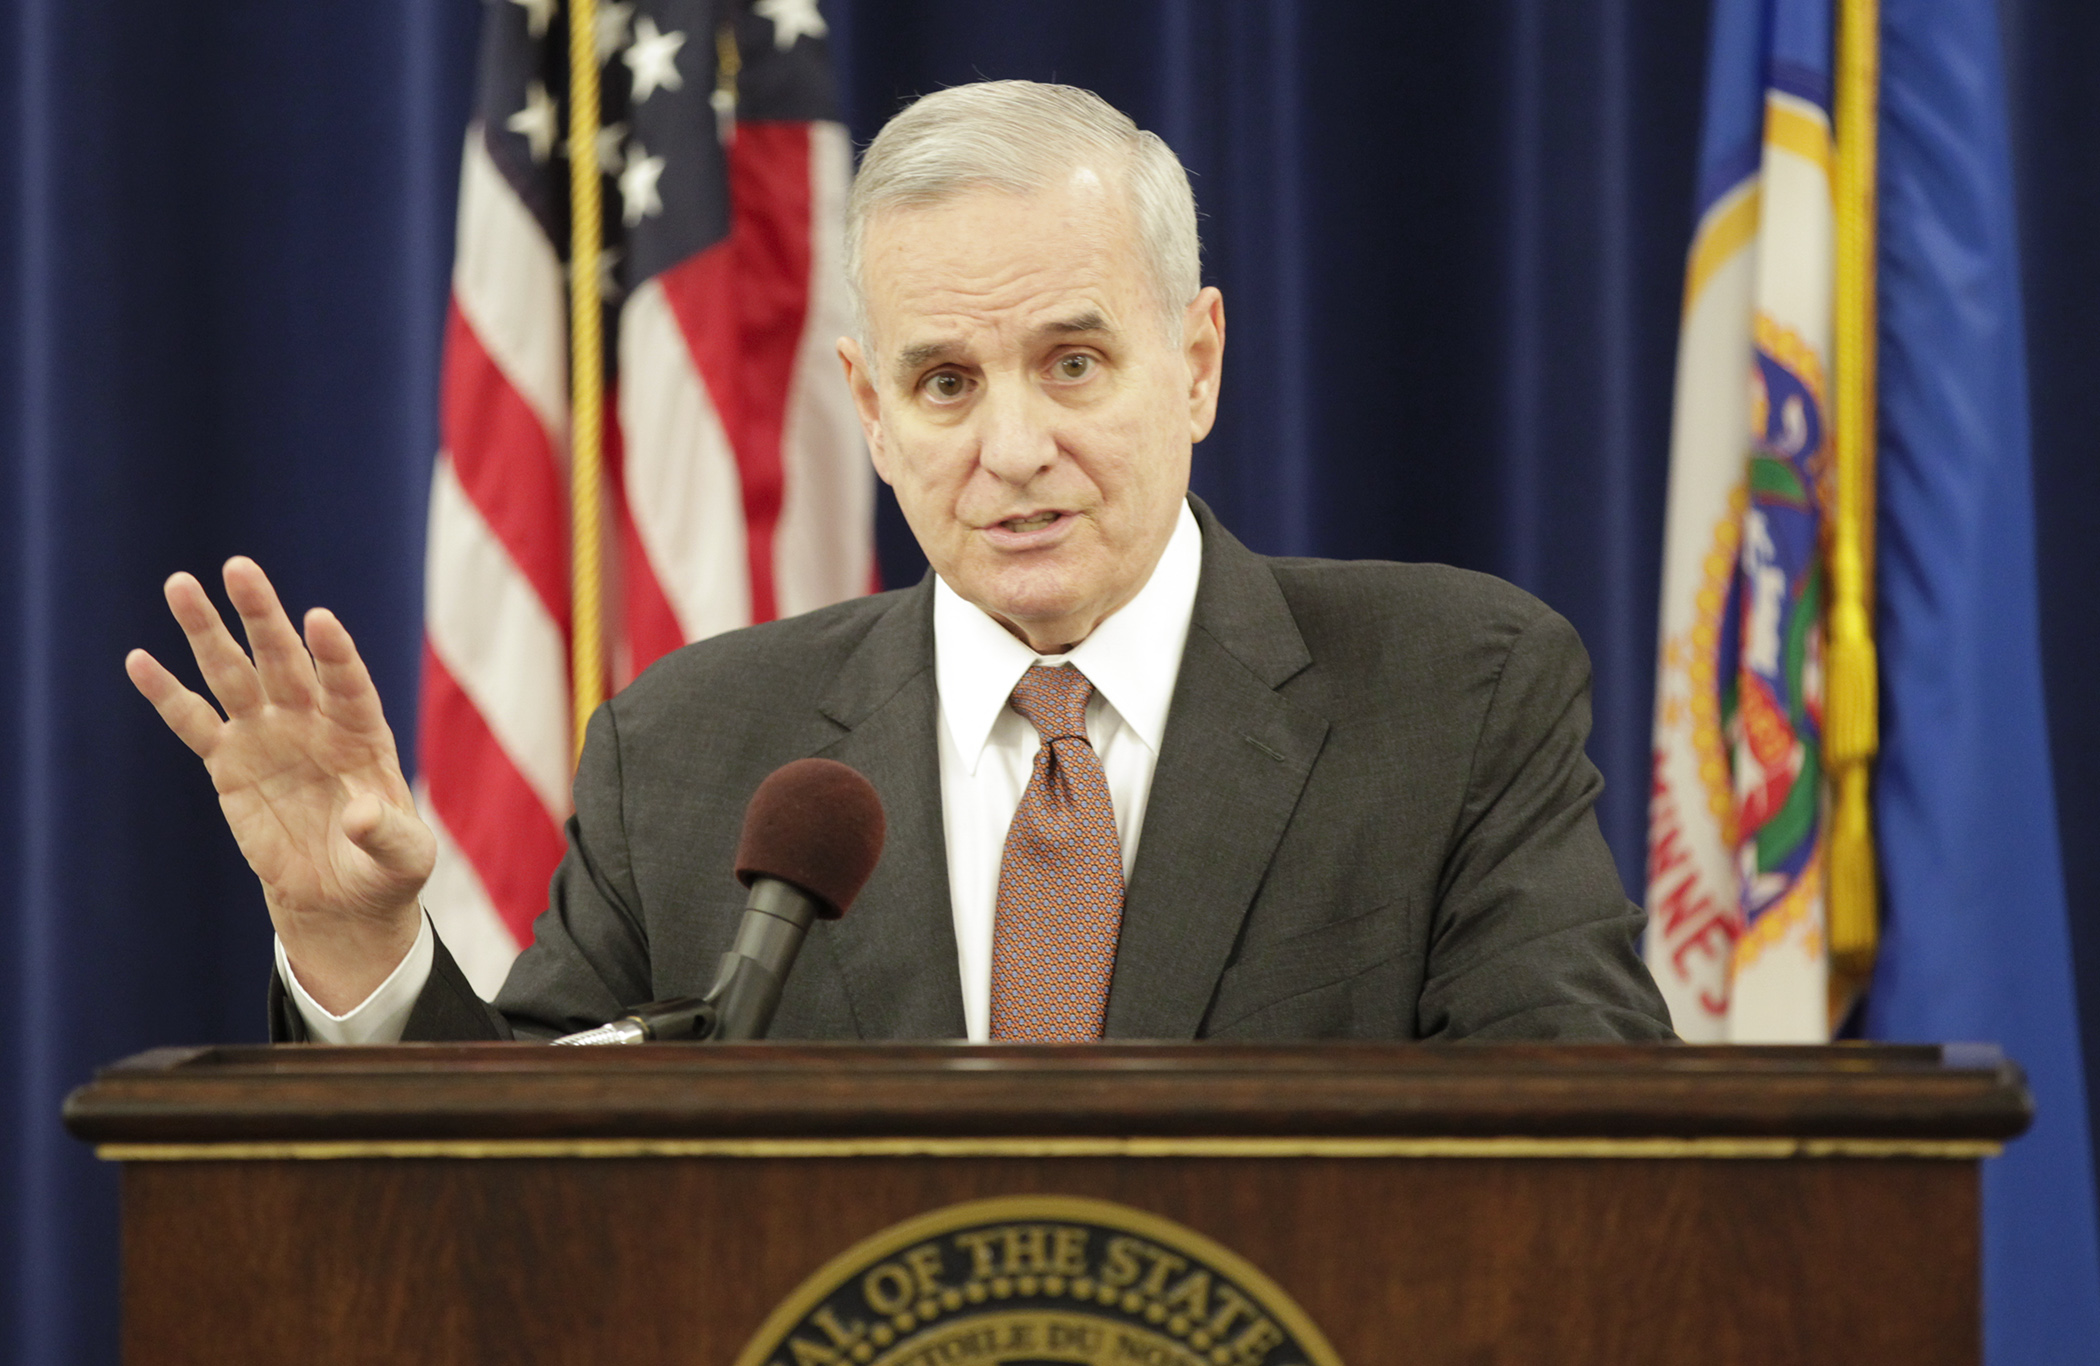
<point x="791" y="1090"/>
<point x="1400" y="1262"/>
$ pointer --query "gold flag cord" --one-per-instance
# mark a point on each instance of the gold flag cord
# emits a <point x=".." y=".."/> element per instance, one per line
<point x="1851" y="732"/>
<point x="586" y="370"/>
<point x="729" y="63"/>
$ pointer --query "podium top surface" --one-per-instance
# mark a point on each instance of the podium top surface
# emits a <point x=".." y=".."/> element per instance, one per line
<point x="828" y="1091"/>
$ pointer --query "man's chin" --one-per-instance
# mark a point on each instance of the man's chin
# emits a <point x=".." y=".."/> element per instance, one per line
<point x="1048" y="622"/>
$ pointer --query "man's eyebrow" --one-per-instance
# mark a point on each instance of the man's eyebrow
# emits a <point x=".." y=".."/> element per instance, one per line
<point x="913" y="358"/>
<point x="1089" y="321"/>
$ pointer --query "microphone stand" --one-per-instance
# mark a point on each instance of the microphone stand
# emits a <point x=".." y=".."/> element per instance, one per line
<point x="746" y="991"/>
<point x="685" y="1017"/>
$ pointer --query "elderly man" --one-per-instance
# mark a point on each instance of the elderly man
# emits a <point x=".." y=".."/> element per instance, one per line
<point x="1140" y="781"/>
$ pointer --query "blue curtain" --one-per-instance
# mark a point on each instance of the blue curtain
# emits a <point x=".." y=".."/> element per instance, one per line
<point x="1451" y="239"/>
<point x="1974" y="934"/>
<point x="2052" y="50"/>
<point x="228" y="234"/>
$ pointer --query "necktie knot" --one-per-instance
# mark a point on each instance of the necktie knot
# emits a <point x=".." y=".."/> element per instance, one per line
<point x="1054" y="701"/>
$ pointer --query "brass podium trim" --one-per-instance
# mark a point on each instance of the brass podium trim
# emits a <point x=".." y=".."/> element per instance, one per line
<point x="1761" y="1149"/>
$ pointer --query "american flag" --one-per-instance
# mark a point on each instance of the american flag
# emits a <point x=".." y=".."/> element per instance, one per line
<point x="736" y="485"/>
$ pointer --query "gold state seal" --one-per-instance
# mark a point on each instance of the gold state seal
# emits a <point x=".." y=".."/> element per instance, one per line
<point x="1038" y="1281"/>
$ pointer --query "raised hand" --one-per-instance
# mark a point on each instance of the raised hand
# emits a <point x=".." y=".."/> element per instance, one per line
<point x="308" y="777"/>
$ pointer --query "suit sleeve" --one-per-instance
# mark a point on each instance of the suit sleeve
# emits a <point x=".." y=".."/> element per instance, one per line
<point x="427" y="997"/>
<point x="1534" y="937"/>
<point x="446" y="1010"/>
<point x="449" y="1011"/>
<point x="589" y="957"/>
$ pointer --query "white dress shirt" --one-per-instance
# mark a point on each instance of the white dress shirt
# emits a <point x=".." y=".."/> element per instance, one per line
<point x="987" y="750"/>
<point x="380" y="1017"/>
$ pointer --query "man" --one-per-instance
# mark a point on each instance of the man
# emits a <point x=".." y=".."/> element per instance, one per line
<point x="1139" y="781"/>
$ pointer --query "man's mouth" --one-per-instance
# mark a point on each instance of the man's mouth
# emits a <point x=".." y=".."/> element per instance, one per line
<point x="1032" y="523"/>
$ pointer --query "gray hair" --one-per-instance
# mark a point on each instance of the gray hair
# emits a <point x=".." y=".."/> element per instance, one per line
<point x="1020" y="137"/>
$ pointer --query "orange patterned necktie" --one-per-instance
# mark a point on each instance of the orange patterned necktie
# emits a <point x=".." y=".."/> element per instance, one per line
<point x="1060" y="879"/>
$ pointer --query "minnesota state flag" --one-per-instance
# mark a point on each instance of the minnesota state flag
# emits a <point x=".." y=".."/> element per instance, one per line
<point x="1851" y="374"/>
<point x="1736" y="867"/>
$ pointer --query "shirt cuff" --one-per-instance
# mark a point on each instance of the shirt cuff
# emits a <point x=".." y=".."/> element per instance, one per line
<point x="380" y="1017"/>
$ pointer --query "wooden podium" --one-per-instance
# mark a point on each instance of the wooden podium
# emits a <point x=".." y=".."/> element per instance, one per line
<point x="1443" y="1204"/>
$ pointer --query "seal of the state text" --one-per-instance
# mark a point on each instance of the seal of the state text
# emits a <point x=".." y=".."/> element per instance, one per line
<point x="1038" y="1281"/>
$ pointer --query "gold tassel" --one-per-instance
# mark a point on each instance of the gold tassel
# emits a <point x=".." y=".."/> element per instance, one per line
<point x="1854" y="899"/>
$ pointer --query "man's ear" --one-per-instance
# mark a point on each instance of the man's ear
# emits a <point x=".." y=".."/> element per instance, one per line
<point x="860" y="382"/>
<point x="1203" y="348"/>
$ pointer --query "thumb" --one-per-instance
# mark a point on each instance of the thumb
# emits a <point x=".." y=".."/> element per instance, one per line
<point x="395" y="839"/>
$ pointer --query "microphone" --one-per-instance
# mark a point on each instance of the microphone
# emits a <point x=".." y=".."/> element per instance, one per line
<point x="812" y="835"/>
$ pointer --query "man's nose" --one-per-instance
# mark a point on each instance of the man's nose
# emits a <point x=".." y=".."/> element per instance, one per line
<point x="1015" y="433"/>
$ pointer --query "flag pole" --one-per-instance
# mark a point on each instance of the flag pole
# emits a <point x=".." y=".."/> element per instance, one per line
<point x="1851" y="735"/>
<point x="586" y="370"/>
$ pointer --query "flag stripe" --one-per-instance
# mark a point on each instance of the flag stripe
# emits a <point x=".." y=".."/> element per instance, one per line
<point x="489" y="809"/>
<point x="825" y="542"/>
<point x="493" y="633"/>
<point x="507" y="280"/>
<point x="505" y="465"/>
<point x="461" y="911"/>
<point x="682" y="488"/>
<point x="746" y="351"/>
<point x="651" y="628"/>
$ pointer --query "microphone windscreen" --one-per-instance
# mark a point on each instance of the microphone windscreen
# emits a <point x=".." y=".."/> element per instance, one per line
<point x="817" y="824"/>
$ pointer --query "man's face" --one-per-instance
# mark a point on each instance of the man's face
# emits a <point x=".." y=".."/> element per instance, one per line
<point x="1024" y="397"/>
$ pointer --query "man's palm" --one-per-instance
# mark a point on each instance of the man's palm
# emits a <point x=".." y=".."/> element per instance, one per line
<point x="285" y="778"/>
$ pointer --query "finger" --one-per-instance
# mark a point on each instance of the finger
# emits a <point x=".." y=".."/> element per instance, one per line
<point x="281" y="660"/>
<point x="192" y="718"/>
<point x="347" y="696"/>
<point x="395" y="839"/>
<point x="225" y="665"/>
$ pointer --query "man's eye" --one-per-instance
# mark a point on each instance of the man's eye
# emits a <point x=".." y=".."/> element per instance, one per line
<point x="946" y="385"/>
<point x="1077" y="365"/>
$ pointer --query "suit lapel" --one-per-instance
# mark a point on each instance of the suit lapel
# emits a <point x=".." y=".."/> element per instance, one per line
<point x="1234" y="760"/>
<point x="1235" y="757"/>
<point x="896" y="949"/>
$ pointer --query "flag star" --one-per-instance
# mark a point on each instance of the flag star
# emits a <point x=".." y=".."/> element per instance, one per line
<point x="538" y="14"/>
<point x="653" y="58"/>
<point x="791" y="19"/>
<point x="608" y="272"/>
<point x="609" y="27"/>
<point x="638" y="197"/>
<point x="606" y="146"/>
<point x="535" y="121"/>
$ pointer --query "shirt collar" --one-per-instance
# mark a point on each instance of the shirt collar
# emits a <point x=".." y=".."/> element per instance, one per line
<point x="1132" y="658"/>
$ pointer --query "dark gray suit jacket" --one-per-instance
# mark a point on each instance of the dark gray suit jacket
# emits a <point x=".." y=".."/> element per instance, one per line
<point x="1371" y="818"/>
